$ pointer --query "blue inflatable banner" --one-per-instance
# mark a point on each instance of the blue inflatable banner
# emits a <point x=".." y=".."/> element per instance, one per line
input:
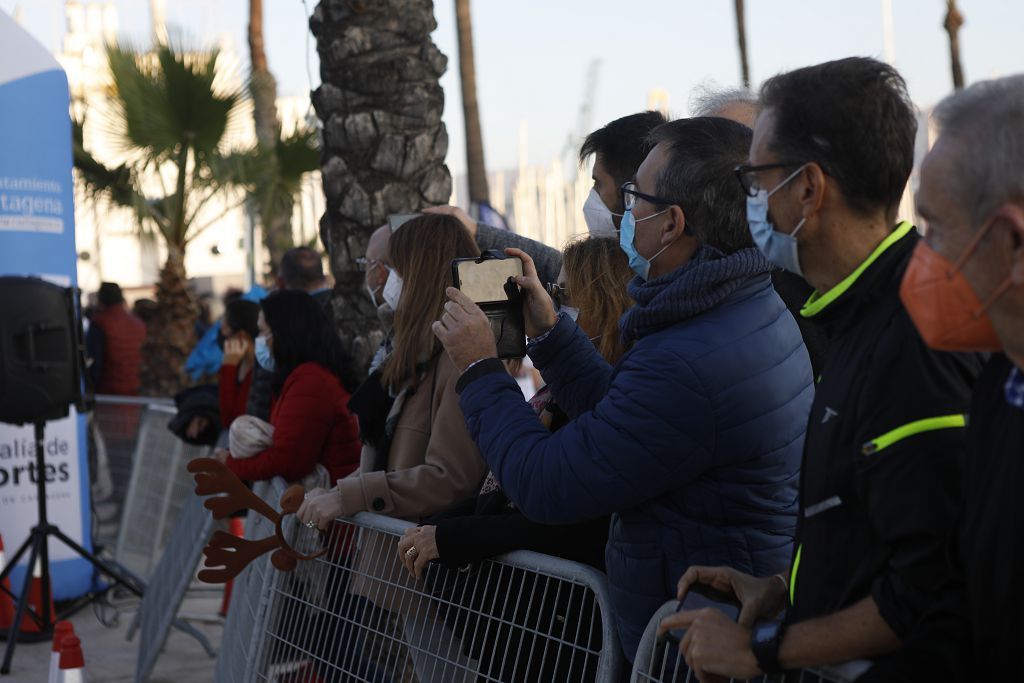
<point x="37" y="238"/>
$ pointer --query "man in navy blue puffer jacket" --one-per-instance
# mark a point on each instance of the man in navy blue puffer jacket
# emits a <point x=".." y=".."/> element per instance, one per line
<point x="693" y="441"/>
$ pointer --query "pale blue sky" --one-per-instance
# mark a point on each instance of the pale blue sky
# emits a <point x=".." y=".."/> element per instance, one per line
<point x="532" y="55"/>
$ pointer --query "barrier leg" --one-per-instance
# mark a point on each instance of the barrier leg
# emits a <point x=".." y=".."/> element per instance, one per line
<point x="426" y="640"/>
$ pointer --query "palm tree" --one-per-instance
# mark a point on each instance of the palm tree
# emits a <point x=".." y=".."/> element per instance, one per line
<point x="171" y="114"/>
<point x="741" y="37"/>
<point x="279" y="183"/>
<point x="475" y="168"/>
<point x="275" y="215"/>
<point x="954" y="20"/>
<point x="384" y="142"/>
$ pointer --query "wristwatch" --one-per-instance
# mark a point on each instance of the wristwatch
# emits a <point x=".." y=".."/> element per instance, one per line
<point x="764" y="641"/>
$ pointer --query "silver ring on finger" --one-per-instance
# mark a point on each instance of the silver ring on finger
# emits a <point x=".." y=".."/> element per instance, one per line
<point x="310" y="524"/>
<point x="412" y="553"/>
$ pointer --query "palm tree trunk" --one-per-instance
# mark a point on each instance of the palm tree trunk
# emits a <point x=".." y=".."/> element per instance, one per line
<point x="741" y="37"/>
<point x="384" y="142"/>
<point x="276" y="219"/>
<point x="954" y="20"/>
<point x="475" y="167"/>
<point x="171" y="333"/>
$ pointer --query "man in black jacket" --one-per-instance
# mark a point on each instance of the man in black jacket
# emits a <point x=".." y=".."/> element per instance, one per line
<point x="880" y="481"/>
<point x="965" y="290"/>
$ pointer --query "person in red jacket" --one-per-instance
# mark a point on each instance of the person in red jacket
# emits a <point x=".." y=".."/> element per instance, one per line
<point x="311" y="382"/>
<point x="114" y="344"/>
<point x="238" y="331"/>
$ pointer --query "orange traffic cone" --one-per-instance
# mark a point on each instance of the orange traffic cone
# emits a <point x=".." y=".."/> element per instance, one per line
<point x="35" y="602"/>
<point x="61" y="630"/>
<point x="237" y="529"/>
<point x="72" y="661"/>
<point x="6" y="603"/>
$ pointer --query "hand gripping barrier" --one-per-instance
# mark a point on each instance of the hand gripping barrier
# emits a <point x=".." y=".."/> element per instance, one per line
<point x="660" y="662"/>
<point x="354" y="614"/>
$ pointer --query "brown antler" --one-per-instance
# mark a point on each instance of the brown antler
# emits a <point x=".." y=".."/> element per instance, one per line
<point x="230" y="552"/>
<point x="213" y="477"/>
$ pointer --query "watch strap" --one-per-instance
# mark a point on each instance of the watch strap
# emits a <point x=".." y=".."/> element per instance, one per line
<point x="765" y="641"/>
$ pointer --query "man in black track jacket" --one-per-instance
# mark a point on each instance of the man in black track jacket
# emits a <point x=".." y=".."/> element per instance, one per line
<point x="885" y="445"/>
<point x="972" y="196"/>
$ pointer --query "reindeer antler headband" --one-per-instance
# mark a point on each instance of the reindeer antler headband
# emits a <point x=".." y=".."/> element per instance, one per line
<point x="233" y="553"/>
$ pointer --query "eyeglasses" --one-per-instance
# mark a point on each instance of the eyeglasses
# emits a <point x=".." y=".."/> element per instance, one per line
<point x="559" y="294"/>
<point x="630" y="194"/>
<point x="747" y="175"/>
<point x="364" y="264"/>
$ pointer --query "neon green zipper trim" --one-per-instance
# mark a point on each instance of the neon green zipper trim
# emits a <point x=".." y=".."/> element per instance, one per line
<point x="792" y="574"/>
<point x="911" y="429"/>
<point x="818" y="302"/>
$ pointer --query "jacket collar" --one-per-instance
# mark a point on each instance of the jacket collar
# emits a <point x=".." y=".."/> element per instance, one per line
<point x="869" y="280"/>
<point x="699" y="285"/>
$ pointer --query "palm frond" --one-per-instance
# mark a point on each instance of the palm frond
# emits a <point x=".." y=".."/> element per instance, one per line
<point x="279" y="178"/>
<point x="172" y="97"/>
<point x="297" y="155"/>
<point x="143" y="121"/>
<point x="115" y="185"/>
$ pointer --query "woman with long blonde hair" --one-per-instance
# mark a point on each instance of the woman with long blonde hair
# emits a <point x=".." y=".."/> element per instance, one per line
<point x="591" y="289"/>
<point x="418" y="457"/>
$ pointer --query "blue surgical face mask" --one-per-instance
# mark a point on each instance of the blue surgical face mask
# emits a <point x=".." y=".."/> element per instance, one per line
<point x="778" y="247"/>
<point x="263" y="355"/>
<point x="627" y="234"/>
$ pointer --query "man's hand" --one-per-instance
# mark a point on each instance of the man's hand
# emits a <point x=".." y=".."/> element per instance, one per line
<point x="465" y="331"/>
<point x="759" y="598"/>
<point x="714" y="646"/>
<point x="417" y="547"/>
<point x="538" y="308"/>
<point x="455" y="212"/>
<point x="321" y="507"/>
<point x="235" y="349"/>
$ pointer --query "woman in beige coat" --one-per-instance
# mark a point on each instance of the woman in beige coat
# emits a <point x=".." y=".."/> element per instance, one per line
<point x="418" y="458"/>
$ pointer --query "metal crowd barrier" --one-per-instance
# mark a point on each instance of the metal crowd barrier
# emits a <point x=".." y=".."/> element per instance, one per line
<point x="660" y="662"/>
<point x="114" y="425"/>
<point x="250" y="596"/>
<point x="171" y="579"/>
<point x="157" y="490"/>
<point x="354" y="614"/>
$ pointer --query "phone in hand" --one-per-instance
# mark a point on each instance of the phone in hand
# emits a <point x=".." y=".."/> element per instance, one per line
<point x="700" y="596"/>
<point x="490" y="282"/>
<point x="484" y="281"/>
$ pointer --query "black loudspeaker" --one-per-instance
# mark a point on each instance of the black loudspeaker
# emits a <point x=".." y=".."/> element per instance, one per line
<point x="40" y="351"/>
<point x="42" y="361"/>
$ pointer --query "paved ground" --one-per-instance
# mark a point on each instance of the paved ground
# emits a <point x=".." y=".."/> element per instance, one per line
<point x="109" y="658"/>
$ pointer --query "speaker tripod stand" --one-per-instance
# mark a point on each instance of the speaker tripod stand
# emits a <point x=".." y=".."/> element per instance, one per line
<point x="36" y="547"/>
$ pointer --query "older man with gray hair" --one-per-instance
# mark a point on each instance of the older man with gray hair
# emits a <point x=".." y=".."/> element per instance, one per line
<point x="737" y="104"/>
<point x="741" y="105"/>
<point x="964" y="289"/>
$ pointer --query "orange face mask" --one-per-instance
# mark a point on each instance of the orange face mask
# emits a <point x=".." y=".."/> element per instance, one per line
<point x="943" y="305"/>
